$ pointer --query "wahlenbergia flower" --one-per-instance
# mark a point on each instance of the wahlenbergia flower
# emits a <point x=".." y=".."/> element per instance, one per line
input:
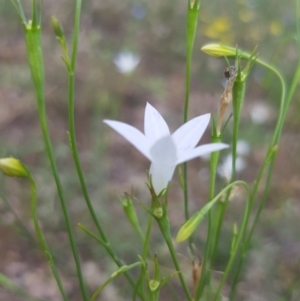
<point x="166" y="151"/>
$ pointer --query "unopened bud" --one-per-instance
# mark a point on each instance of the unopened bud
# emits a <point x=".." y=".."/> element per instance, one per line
<point x="158" y="212"/>
<point x="130" y="211"/>
<point x="153" y="285"/>
<point x="13" y="168"/>
<point x="220" y="50"/>
<point x="57" y="28"/>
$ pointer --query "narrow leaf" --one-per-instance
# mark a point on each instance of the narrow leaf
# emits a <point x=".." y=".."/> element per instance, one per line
<point x="114" y="275"/>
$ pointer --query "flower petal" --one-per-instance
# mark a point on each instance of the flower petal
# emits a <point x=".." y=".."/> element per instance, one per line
<point x="164" y="157"/>
<point x="155" y="126"/>
<point x="131" y="134"/>
<point x="200" y="151"/>
<point x="189" y="134"/>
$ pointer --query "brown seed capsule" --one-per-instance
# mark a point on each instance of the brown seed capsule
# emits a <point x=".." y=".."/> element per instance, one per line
<point x="196" y="273"/>
<point x="230" y="73"/>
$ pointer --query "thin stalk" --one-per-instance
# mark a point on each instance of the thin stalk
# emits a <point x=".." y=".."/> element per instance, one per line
<point x="73" y="144"/>
<point x="239" y="91"/>
<point x="192" y="21"/>
<point x="238" y="99"/>
<point x="205" y="277"/>
<point x="113" y="276"/>
<point x="147" y="238"/>
<point x="36" y="64"/>
<point x="144" y="256"/>
<point x="235" y="248"/>
<point x="209" y="246"/>
<point x="284" y="105"/>
<point x="109" y="251"/>
<point x="164" y="227"/>
<point x="18" y="220"/>
<point x="247" y="237"/>
<point x="42" y="239"/>
<point x="238" y="96"/>
<point x="91" y="234"/>
<point x="275" y="139"/>
<point x="19" y="9"/>
<point x="212" y="182"/>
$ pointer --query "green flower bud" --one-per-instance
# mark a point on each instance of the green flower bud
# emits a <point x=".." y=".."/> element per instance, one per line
<point x="158" y="212"/>
<point x="130" y="211"/>
<point x="57" y="28"/>
<point x="153" y="285"/>
<point x="14" y="168"/>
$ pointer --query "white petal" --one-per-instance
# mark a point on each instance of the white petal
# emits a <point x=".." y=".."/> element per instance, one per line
<point x="189" y="134"/>
<point x="155" y="126"/>
<point x="201" y="150"/>
<point x="163" y="154"/>
<point x="133" y="135"/>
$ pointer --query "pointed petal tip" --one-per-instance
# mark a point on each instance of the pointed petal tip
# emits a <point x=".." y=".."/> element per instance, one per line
<point x="200" y="151"/>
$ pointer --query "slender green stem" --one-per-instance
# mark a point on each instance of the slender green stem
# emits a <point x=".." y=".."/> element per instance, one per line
<point x="284" y="105"/>
<point x="269" y="156"/>
<point x="19" y="9"/>
<point x="214" y="158"/>
<point x="192" y="21"/>
<point x="36" y="64"/>
<point x="107" y="247"/>
<point x="147" y="237"/>
<point x="113" y="276"/>
<point x="91" y="234"/>
<point x="239" y="239"/>
<point x="210" y="243"/>
<point x="72" y="135"/>
<point x="17" y="219"/>
<point x="76" y="34"/>
<point x="238" y="96"/>
<point x="247" y="237"/>
<point x="285" y="102"/>
<point x="42" y="239"/>
<point x="144" y="256"/>
<point x="205" y="277"/>
<point x="237" y="99"/>
<point x="164" y="227"/>
<point x="73" y="144"/>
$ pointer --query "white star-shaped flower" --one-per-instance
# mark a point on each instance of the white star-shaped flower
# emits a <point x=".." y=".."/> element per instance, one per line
<point x="126" y="61"/>
<point x="166" y="151"/>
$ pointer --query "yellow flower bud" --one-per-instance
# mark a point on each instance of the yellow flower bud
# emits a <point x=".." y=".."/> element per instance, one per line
<point x="13" y="168"/>
<point x="220" y="50"/>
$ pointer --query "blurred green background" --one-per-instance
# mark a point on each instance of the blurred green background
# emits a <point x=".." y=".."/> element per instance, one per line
<point x="133" y="52"/>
